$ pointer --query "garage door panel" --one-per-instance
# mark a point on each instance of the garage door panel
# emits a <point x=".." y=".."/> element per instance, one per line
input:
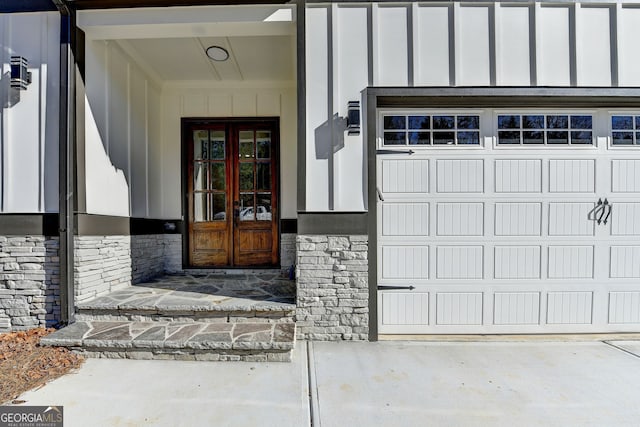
<point x="569" y="308"/>
<point x="405" y="262"/>
<point x="571" y="219"/>
<point x="405" y="219"/>
<point x="518" y="219"/>
<point x="625" y="176"/>
<point x="403" y="308"/>
<point x="625" y="219"/>
<point x="500" y="237"/>
<point x="517" y="262"/>
<point x="460" y="219"/>
<point x="518" y="176"/>
<point x="570" y="262"/>
<point x="460" y="176"/>
<point x="459" y="308"/>
<point x="516" y="308"/>
<point x="459" y="262"/>
<point x="624" y="307"/>
<point x="572" y="176"/>
<point x="405" y="176"/>
<point x="625" y="262"/>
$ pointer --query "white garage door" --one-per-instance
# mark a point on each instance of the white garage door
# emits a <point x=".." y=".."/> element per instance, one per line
<point x="508" y="221"/>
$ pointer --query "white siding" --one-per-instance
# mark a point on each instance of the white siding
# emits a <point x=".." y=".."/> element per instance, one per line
<point x="432" y="45"/>
<point x="473" y="45"/>
<point x="513" y="63"/>
<point x="29" y="139"/>
<point x="391" y="66"/>
<point x="553" y="46"/>
<point x="593" y="48"/>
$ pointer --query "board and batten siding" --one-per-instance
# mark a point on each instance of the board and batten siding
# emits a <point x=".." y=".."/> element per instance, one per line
<point x="122" y="140"/>
<point x="352" y="46"/>
<point x="29" y="128"/>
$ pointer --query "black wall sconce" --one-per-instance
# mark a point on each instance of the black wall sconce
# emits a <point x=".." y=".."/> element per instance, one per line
<point x="20" y="76"/>
<point x="353" y="118"/>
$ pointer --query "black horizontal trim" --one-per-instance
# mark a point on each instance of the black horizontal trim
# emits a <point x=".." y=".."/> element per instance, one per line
<point x="332" y="222"/>
<point x="500" y="97"/>
<point x="19" y="6"/>
<point x="27" y="224"/>
<point x="109" y="4"/>
<point x="106" y="225"/>
<point x="288" y="226"/>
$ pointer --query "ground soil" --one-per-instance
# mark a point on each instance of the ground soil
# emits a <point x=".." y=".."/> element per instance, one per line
<point x="25" y="365"/>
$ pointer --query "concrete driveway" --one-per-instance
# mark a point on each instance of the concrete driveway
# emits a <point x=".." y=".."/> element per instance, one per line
<point x="365" y="384"/>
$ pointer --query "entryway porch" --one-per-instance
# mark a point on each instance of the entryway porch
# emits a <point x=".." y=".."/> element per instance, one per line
<point x="247" y="315"/>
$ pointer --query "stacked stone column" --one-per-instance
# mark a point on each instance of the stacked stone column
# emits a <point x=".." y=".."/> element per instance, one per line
<point x="332" y="287"/>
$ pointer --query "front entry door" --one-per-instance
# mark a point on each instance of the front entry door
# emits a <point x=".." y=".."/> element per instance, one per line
<point x="231" y="193"/>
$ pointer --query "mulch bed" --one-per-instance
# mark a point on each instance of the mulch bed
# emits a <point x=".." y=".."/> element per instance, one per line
<point x="25" y="365"/>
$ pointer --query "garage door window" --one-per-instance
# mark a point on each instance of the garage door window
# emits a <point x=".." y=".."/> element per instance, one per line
<point x="545" y="129"/>
<point x="625" y="130"/>
<point x="431" y="130"/>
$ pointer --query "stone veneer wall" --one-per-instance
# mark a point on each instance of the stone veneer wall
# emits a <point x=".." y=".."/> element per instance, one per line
<point x="102" y="264"/>
<point x="287" y="250"/>
<point x="332" y="287"/>
<point x="147" y="257"/>
<point x="29" y="282"/>
<point x="172" y="253"/>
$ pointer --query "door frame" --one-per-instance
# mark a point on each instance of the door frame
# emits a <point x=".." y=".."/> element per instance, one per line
<point x="185" y="124"/>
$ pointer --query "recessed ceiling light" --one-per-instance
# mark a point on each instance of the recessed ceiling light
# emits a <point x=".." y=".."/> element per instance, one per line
<point x="217" y="53"/>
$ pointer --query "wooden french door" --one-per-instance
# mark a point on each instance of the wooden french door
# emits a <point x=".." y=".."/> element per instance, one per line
<point x="232" y="193"/>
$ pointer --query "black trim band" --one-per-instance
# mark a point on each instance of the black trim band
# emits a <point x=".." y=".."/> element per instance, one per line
<point x="288" y="226"/>
<point x="29" y="224"/>
<point x="105" y="225"/>
<point x="332" y="223"/>
<point x="15" y="6"/>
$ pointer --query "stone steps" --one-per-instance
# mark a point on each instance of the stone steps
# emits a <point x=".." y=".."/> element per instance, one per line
<point x="210" y="341"/>
<point x="226" y="317"/>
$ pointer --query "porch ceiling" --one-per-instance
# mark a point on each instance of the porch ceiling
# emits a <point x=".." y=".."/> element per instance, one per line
<point x="251" y="58"/>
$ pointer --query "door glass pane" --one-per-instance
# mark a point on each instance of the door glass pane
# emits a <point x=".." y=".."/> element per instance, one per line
<point x="200" y="144"/>
<point x="468" y="122"/>
<point x="557" y="137"/>
<point x="443" y="122"/>
<point x="581" y="122"/>
<point x="394" y="138"/>
<point x="533" y="137"/>
<point x="622" y="122"/>
<point x="581" y="137"/>
<point x="419" y="122"/>
<point x="246" y="176"/>
<point x="219" y="206"/>
<point x="508" y="122"/>
<point x="419" y="138"/>
<point x="443" y="137"/>
<point x="218" y="179"/>
<point x="200" y="207"/>
<point x="263" y="141"/>
<point x="246" y="207"/>
<point x="264" y="207"/>
<point x="246" y="144"/>
<point x="622" y="138"/>
<point x="533" y="122"/>
<point x="395" y="122"/>
<point x="508" y="137"/>
<point x="200" y="176"/>
<point x="557" y="122"/>
<point x="469" y="138"/>
<point x="264" y="176"/>
<point x="216" y="150"/>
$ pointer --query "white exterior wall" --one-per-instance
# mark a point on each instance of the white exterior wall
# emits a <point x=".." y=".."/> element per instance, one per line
<point x="350" y="47"/>
<point x="122" y="138"/>
<point x="201" y="99"/>
<point x="29" y="128"/>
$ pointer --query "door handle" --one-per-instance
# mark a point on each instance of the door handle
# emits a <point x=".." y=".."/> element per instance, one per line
<point x="610" y="208"/>
<point x="595" y="211"/>
<point x="379" y="194"/>
<point x="601" y="209"/>
<point x="236" y="211"/>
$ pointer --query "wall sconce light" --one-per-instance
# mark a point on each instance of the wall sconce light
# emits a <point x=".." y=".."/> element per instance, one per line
<point x="20" y="76"/>
<point x="353" y="117"/>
